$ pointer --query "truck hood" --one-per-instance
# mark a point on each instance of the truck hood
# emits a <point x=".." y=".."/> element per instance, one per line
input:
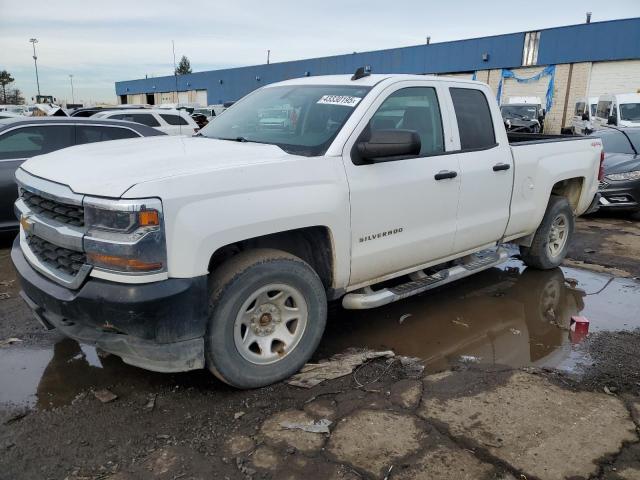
<point x="109" y="169"/>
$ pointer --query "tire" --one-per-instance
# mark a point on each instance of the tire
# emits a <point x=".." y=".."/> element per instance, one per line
<point x="543" y="254"/>
<point x="240" y="349"/>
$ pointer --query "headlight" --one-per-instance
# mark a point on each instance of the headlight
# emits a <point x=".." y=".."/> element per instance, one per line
<point x="635" y="175"/>
<point x="125" y="235"/>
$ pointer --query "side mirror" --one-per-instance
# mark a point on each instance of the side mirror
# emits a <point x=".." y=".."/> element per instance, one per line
<point x="385" y="145"/>
<point x="611" y="120"/>
<point x="585" y="117"/>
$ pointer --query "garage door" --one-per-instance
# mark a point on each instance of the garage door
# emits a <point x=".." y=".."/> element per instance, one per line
<point x="615" y="77"/>
<point x="137" y="99"/>
<point x="511" y="88"/>
<point x="183" y="97"/>
<point x="201" y="98"/>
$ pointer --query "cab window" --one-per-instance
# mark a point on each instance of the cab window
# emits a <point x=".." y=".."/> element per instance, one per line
<point x="474" y="119"/>
<point x="413" y="108"/>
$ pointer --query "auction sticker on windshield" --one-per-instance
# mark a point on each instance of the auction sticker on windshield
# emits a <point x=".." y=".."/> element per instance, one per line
<point x="346" y="100"/>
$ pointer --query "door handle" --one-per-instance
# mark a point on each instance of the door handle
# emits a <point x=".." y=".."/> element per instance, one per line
<point x="501" y="166"/>
<point x="441" y="175"/>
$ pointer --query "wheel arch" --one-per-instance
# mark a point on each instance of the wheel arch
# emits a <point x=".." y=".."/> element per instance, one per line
<point x="571" y="189"/>
<point x="315" y="245"/>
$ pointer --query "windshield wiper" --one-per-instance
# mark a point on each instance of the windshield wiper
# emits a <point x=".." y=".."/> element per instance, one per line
<point x="235" y="139"/>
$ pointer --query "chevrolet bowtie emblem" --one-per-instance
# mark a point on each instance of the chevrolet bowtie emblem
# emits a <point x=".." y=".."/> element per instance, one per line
<point x="27" y="223"/>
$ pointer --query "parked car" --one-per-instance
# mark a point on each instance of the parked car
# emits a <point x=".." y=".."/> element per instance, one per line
<point x="584" y="116"/>
<point x="26" y="137"/>
<point x="201" y="120"/>
<point x="620" y="110"/>
<point x="221" y="250"/>
<point x="533" y="101"/>
<point x="521" y="117"/>
<point x="17" y="109"/>
<point x="171" y="122"/>
<point x="620" y="188"/>
<point x="6" y="114"/>
<point x="90" y="111"/>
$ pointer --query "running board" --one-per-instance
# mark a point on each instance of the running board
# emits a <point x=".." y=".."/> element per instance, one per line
<point x="421" y="282"/>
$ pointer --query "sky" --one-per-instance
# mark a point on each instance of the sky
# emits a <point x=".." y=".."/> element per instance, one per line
<point x="101" y="42"/>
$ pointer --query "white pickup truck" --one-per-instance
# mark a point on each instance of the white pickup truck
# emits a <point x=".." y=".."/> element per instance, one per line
<point x="223" y="249"/>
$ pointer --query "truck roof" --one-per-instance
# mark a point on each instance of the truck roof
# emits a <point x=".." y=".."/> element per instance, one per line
<point x="369" y="80"/>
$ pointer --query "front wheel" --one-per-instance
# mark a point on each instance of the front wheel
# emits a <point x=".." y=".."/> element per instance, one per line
<point x="551" y="240"/>
<point x="268" y="311"/>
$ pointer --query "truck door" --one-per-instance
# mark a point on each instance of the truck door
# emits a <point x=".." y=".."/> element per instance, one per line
<point x="403" y="212"/>
<point x="486" y="170"/>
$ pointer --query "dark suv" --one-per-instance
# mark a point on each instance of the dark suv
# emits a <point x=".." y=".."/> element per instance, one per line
<point x="25" y="137"/>
<point x="620" y="188"/>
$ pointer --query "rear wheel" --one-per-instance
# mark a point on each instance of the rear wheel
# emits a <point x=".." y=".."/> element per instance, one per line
<point x="551" y="240"/>
<point x="268" y="311"/>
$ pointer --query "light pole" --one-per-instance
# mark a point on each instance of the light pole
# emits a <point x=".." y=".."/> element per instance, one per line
<point x="73" y="98"/>
<point x="35" y="61"/>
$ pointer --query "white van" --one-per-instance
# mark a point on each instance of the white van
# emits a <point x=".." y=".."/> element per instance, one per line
<point x="620" y="110"/>
<point x="584" y="115"/>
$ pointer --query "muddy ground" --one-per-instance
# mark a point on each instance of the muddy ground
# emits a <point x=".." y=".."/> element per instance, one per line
<point x="510" y="389"/>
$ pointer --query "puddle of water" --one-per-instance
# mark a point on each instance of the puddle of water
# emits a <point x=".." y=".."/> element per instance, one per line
<point x="49" y="376"/>
<point x="509" y="316"/>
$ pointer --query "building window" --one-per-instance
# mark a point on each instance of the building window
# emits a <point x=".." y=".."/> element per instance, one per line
<point x="530" y="51"/>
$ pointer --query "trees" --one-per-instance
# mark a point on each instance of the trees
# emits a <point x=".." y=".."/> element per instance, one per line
<point x="184" y="66"/>
<point x="5" y="80"/>
<point x="14" y="97"/>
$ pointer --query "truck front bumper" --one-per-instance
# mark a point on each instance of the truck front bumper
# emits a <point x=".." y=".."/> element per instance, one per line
<point x="158" y="326"/>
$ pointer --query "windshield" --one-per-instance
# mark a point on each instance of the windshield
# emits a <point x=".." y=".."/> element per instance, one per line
<point x="526" y="112"/>
<point x="630" y="112"/>
<point x="302" y="120"/>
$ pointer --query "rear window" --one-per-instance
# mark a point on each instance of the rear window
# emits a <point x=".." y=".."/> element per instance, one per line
<point x="143" y="118"/>
<point x="91" y="134"/>
<point x="173" y="119"/>
<point x="474" y="118"/>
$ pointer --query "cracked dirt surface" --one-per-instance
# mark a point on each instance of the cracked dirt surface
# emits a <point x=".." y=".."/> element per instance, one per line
<point x="467" y="421"/>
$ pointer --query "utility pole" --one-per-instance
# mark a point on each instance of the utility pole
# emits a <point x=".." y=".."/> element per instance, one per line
<point x="35" y="61"/>
<point x="73" y="98"/>
<point x="268" y="56"/>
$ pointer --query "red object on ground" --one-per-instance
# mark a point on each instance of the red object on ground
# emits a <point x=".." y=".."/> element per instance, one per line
<point x="579" y="329"/>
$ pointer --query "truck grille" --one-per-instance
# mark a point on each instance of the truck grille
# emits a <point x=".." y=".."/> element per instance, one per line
<point x="603" y="185"/>
<point x="60" y="212"/>
<point x="63" y="259"/>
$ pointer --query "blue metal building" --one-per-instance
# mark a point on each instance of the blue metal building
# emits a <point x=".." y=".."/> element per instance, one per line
<point x="589" y="42"/>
